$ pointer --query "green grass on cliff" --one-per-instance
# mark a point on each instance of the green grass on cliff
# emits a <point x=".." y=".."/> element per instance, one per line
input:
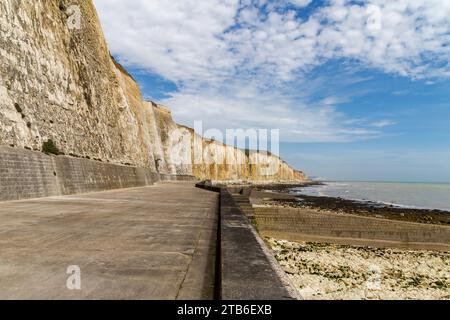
<point x="49" y="147"/>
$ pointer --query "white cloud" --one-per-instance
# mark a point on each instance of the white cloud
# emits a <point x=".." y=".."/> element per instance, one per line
<point x="239" y="62"/>
<point x="179" y="40"/>
<point x="301" y="3"/>
<point x="383" y="123"/>
<point x="243" y="108"/>
<point x="410" y="38"/>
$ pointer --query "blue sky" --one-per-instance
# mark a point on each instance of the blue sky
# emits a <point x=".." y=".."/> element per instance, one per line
<point x="360" y="90"/>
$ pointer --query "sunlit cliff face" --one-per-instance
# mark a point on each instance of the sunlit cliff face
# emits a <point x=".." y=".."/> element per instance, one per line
<point x="59" y="82"/>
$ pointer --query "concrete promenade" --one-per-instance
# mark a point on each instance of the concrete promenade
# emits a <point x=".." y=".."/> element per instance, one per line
<point x="154" y="242"/>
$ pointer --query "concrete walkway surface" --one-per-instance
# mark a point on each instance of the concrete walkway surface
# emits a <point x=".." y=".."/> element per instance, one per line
<point x="154" y="242"/>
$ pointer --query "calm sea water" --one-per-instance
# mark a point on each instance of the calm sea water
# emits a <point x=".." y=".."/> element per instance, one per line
<point x="414" y="195"/>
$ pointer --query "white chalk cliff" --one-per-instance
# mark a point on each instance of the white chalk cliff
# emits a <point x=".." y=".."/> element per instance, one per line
<point x="60" y="83"/>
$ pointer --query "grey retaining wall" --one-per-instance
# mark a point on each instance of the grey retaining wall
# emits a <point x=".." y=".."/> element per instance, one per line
<point x="243" y="268"/>
<point x="28" y="174"/>
<point x="247" y="273"/>
<point x="309" y="225"/>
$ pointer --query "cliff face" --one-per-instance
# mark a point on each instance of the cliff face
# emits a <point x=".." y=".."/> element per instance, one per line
<point x="185" y="152"/>
<point x="60" y="83"/>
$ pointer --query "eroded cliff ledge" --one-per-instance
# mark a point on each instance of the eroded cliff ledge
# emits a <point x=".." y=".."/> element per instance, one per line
<point x="60" y="83"/>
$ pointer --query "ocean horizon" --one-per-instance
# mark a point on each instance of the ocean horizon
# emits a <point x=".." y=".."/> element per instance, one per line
<point x="393" y="181"/>
<point x="419" y="195"/>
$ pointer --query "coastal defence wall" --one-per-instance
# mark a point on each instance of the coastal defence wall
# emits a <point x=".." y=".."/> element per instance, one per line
<point x="28" y="174"/>
<point x="60" y="83"/>
<point x="245" y="269"/>
<point x="303" y="225"/>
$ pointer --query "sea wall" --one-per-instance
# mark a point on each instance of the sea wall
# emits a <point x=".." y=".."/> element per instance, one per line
<point x="300" y="224"/>
<point x="59" y="83"/>
<point x="29" y="174"/>
<point x="245" y="268"/>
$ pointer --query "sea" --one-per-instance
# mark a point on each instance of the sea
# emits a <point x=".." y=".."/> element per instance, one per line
<point x="408" y="195"/>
